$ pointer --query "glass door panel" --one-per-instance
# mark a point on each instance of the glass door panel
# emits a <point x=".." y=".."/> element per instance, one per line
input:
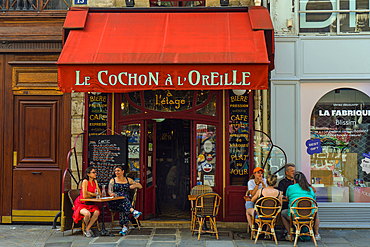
<point x="132" y="131"/>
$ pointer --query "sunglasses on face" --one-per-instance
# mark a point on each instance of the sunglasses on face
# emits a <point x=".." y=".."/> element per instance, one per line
<point x="93" y="172"/>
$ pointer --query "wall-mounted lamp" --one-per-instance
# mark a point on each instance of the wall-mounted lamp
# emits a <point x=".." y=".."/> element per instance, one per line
<point x="239" y="91"/>
<point x="224" y="2"/>
<point x="130" y="3"/>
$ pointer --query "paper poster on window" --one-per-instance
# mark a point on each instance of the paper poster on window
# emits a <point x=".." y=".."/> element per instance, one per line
<point x="209" y="180"/>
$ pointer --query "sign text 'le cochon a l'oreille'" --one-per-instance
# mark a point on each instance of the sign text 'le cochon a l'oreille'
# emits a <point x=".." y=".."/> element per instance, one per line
<point x="194" y="78"/>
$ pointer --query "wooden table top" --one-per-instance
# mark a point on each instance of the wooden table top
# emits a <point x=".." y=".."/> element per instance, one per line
<point x="104" y="199"/>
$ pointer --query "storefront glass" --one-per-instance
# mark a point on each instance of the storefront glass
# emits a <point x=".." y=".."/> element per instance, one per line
<point x="238" y="138"/>
<point x="339" y="147"/>
<point x="322" y="16"/>
<point x="168" y="100"/>
<point x="206" y="153"/>
<point x="132" y="131"/>
<point x="210" y="108"/>
<point x="127" y="108"/>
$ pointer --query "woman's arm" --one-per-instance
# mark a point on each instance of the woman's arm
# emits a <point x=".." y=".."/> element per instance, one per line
<point x="110" y="187"/>
<point x="253" y="190"/>
<point x="254" y="198"/>
<point x="281" y="197"/>
<point x="134" y="184"/>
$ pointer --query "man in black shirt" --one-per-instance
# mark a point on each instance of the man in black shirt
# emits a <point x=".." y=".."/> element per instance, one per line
<point x="288" y="180"/>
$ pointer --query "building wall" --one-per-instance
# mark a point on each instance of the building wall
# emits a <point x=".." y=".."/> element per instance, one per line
<point x="307" y="66"/>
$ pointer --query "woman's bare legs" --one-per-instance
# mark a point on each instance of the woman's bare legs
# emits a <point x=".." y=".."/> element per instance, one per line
<point x="286" y="224"/>
<point x="88" y="219"/>
<point x="249" y="214"/>
<point x="316" y="225"/>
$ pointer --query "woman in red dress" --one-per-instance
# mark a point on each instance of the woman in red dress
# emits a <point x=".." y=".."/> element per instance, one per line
<point x="89" y="213"/>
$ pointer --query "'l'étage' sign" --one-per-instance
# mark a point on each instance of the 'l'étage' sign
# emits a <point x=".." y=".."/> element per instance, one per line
<point x="119" y="78"/>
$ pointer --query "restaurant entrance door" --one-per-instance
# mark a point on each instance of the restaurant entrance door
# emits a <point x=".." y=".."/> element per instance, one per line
<point x="167" y="168"/>
<point x="173" y="166"/>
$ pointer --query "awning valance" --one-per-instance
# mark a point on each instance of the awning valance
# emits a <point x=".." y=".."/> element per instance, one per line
<point x="118" y="51"/>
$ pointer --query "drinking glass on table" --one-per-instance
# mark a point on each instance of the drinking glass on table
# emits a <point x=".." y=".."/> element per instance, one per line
<point x="97" y="194"/>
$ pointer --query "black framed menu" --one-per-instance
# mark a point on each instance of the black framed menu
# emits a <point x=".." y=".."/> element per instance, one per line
<point x="105" y="152"/>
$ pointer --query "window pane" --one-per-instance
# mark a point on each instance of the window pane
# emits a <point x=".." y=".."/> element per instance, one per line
<point x="206" y="154"/>
<point x="340" y="172"/>
<point x="238" y="138"/>
<point x="127" y="108"/>
<point x="168" y="100"/>
<point x="210" y="108"/>
<point x="132" y="131"/>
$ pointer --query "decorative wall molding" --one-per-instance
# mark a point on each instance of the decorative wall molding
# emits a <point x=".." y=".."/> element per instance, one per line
<point x="35" y="80"/>
<point x="30" y="46"/>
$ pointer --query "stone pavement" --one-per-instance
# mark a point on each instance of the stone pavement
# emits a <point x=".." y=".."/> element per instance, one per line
<point x="45" y="236"/>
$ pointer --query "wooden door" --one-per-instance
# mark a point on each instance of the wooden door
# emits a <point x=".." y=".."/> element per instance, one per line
<point x="37" y="157"/>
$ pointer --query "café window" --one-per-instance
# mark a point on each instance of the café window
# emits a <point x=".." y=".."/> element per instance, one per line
<point x="340" y="165"/>
<point x="334" y="16"/>
<point x="238" y="137"/>
<point x="150" y="101"/>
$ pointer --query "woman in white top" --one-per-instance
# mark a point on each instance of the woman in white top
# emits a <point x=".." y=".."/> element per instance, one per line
<point x="255" y="183"/>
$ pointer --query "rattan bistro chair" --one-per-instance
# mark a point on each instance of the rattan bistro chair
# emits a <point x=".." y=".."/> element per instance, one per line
<point x="303" y="212"/>
<point x="207" y="206"/>
<point x="266" y="210"/>
<point x="197" y="190"/>
<point x="72" y="195"/>
<point x="133" y="202"/>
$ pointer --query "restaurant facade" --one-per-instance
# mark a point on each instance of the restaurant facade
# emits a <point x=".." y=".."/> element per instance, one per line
<point x="182" y="94"/>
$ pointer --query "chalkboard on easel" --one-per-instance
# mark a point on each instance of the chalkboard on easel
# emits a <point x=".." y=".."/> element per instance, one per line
<point x="105" y="152"/>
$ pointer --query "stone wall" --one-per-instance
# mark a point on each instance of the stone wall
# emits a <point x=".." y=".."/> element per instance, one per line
<point x="77" y="123"/>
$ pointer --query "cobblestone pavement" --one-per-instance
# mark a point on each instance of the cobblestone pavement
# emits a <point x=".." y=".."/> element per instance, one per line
<point x="43" y="235"/>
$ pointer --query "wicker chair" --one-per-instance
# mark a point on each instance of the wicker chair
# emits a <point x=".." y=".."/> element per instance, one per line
<point x="207" y="206"/>
<point x="72" y="195"/>
<point x="266" y="210"/>
<point x="197" y="190"/>
<point x="303" y="212"/>
<point x="133" y="202"/>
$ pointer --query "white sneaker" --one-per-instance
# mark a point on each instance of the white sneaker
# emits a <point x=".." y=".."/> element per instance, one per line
<point x="318" y="237"/>
<point x="88" y="234"/>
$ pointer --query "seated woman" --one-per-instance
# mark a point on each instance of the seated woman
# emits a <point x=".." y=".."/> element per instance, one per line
<point x="89" y="213"/>
<point x="300" y="188"/>
<point x="120" y="186"/>
<point x="255" y="183"/>
<point x="269" y="191"/>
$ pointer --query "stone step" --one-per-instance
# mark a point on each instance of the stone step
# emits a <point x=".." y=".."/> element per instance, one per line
<point x="186" y="224"/>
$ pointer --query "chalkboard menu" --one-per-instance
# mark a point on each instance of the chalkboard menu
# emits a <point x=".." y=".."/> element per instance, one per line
<point x="97" y="111"/>
<point x="238" y="137"/>
<point x="105" y="152"/>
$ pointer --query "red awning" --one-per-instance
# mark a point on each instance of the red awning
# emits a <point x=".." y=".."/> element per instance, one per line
<point x="120" y="51"/>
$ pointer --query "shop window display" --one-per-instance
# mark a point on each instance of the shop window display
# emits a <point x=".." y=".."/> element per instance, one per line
<point x="341" y="170"/>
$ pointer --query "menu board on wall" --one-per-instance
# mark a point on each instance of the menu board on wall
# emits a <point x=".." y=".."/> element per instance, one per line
<point x="105" y="152"/>
<point x="238" y="137"/>
<point x="97" y="114"/>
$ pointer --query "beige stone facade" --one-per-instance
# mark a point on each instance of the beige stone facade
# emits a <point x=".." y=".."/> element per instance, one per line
<point x="77" y="125"/>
